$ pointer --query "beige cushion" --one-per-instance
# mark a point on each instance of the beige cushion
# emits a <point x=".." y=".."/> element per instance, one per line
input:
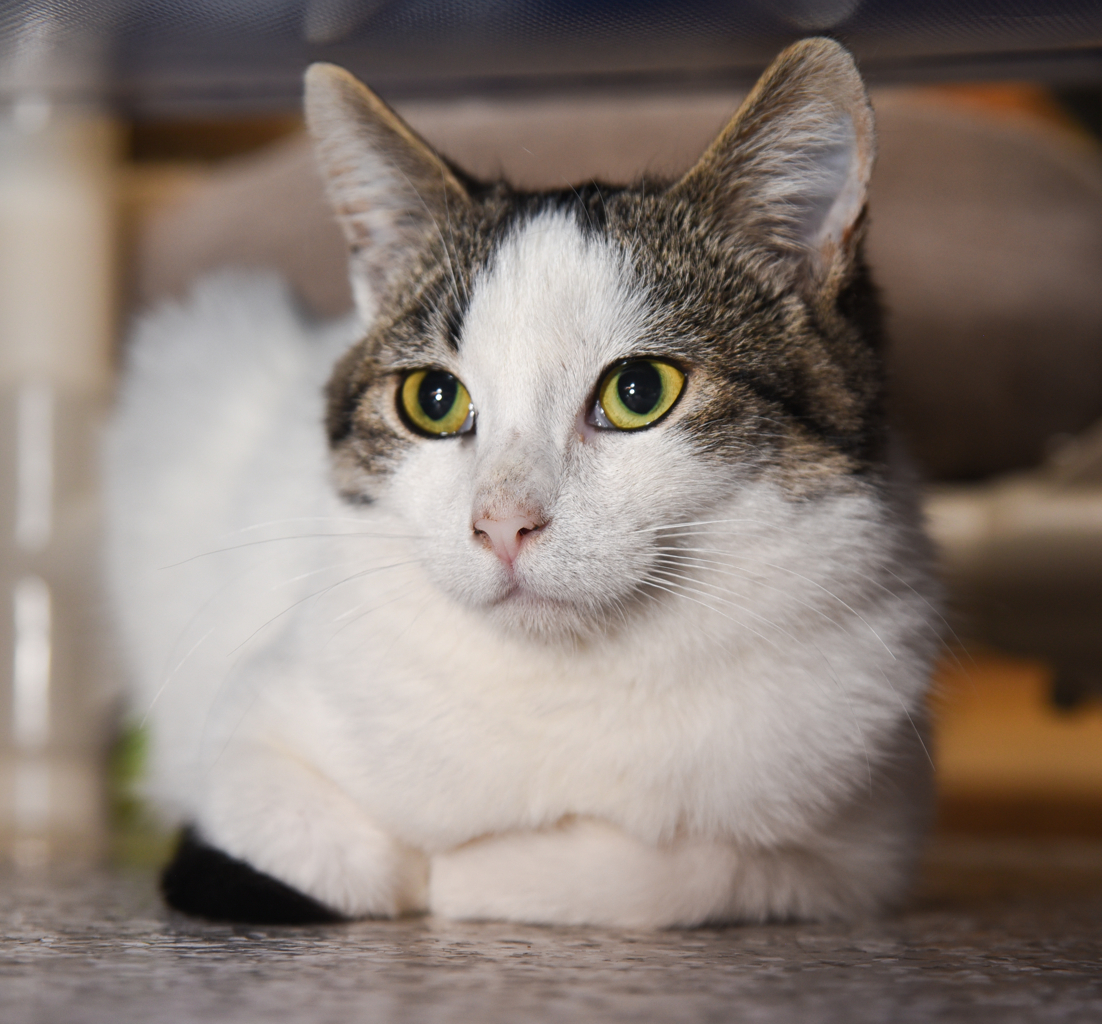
<point x="987" y="240"/>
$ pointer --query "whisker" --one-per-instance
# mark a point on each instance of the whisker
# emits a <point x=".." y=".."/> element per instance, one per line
<point x="803" y="643"/>
<point x="673" y="551"/>
<point x="829" y="593"/>
<point x="691" y="561"/>
<point x="238" y="652"/>
<point x="318" y="593"/>
<point x="436" y="224"/>
<point x="945" y="622"/>
<point x="651" y="582"/>
<point x="303" y="576"/>
<point x="298" y="536"/>
<point x="907" y="712"/>
<point x="703" y="522"/>
<point x="363" y="614"/>
<point x="171" y="675"/>
<point x="355" y="608"/>
<point x="409" y="626"/>
<point x="643" y="582"/>
<point x="726" y="600"/>
<point x="196" y="616"/>
<point x="447" y="249"/>
<point x="581" y="203"/>
<point x="852" y="611"/>
<point x="300" y="519"/>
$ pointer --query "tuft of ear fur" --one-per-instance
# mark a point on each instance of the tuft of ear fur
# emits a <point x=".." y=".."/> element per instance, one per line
<point x="390" y="190"/>
<point x="789" y="175"/>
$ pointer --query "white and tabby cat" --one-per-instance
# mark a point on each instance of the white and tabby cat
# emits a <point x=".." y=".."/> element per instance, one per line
<point x="586" y="592"/>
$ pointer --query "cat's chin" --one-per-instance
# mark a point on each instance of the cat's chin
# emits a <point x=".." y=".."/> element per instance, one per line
<point x="545" y="619"/>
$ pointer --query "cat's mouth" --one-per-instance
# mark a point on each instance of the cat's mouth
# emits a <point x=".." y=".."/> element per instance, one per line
<point x="521" y="594"/>
<point x="525" y="609"/>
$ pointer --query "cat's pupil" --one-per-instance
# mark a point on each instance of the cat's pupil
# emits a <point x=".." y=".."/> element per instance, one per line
<point x="437" y="394"/>
<point x="639" y="387"/>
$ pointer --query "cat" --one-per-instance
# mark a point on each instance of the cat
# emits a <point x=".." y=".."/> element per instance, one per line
<point x="574" y="579"/>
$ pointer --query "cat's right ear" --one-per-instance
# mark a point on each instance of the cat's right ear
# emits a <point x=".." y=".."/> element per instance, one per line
<point x="390" y="190"/>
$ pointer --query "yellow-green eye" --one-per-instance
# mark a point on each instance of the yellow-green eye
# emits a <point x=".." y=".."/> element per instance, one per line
<point x="637" y="394"/>
<point x="435" y="403"/>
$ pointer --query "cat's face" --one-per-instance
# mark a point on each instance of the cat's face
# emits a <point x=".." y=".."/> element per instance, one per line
<point x="551" y="384"/>
<point x="543" y="512"/>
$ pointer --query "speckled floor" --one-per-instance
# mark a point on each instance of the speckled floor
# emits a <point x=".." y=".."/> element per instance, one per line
<point x="1005" y="932"/>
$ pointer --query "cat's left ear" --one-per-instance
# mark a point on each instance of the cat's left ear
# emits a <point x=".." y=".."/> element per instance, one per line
<point x="390" y="190"/>
<point x="788" y="177"/>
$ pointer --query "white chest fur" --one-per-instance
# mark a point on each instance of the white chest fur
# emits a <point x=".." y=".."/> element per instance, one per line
<point x="558" y="659"/>
<point x="308" y="646"/>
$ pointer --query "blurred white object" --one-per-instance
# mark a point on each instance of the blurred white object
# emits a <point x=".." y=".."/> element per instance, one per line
<point x="34" y="466"/>
<point x="57" y="285"/>
<point x="31" y="664"/>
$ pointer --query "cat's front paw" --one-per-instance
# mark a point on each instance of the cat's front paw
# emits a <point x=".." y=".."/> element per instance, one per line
<point x="205" y="882"/>
<point x="583" y="872"/>
<point x="269" y="818"/>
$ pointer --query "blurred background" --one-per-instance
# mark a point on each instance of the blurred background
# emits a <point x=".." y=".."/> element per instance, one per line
<point x="144" y="144"/>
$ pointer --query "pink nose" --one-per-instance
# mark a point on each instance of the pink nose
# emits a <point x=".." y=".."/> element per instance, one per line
<point x="506" y="535"/>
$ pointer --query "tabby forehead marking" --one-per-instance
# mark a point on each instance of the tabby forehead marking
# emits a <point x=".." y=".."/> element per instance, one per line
<point x="529" y="297"/>
<point x="550" y="311"/>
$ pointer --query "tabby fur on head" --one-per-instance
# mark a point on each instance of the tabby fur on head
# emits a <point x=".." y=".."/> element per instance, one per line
<point x="748" y="272"/>
<point x="599" y="599"/>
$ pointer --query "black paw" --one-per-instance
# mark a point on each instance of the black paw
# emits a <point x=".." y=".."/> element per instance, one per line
<point x="206" y="882"/>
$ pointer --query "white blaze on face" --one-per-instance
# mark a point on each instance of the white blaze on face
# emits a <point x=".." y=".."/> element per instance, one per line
<point x="551" y="312"/>
<point x="553" y="309"/>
